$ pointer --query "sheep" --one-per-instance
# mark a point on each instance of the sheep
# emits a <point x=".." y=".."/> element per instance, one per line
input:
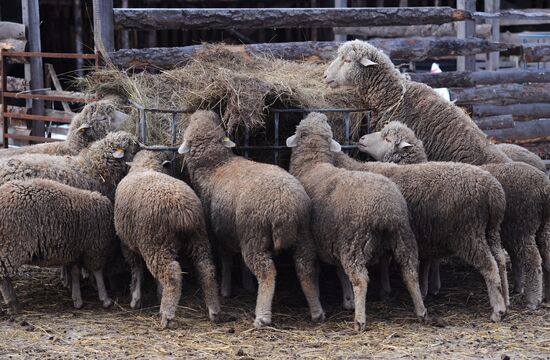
<point x="356" y="217"/>
<point x="252" y="208"/>
<point x="97" y="168"/>
<point x="92" y="123"/>
<point x="156" y="215"/>
<point x="46" y="223"/>
<point x="521" y="154"/>
<point x="382" y="146"/>
<point x="449" y="135"/>
<point x="472" y="200"/>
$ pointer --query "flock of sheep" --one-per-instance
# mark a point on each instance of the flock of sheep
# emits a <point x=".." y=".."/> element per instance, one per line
<point x="439" y="188"/>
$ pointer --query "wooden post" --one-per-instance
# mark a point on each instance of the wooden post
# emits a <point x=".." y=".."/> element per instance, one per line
<point x="493" y="6"/>
<point x="124" y="35"/>
<point x="31" y="19"/>
<point x="77" y="13"/>
<point x="466" y="29"/>
<point x="340" y="4"/>
<point x="104" y="36"/>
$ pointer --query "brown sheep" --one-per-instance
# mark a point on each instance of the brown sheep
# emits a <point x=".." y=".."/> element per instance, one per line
<point x="357" y="217"/>
<point x="521" y="154"/>
<point x="449" y="135"/>
<point x="252" y="208"/>
<point x="156" y="217"/>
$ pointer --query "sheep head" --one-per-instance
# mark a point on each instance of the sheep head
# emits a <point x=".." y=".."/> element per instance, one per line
<point x="96" y="120"/>
<point x="118" y="145"/>
<point x="205" y="132"/>
<point x="354" y="59"/>
<point x="394" y="143"/>
<point x="314" y="129"/>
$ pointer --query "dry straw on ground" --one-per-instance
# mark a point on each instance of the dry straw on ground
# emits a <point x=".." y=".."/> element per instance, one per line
<point x="241" y="89"/>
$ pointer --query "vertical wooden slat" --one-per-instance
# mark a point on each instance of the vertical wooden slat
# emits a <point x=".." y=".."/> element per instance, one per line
<point x="77" y="13"/>
<point x="493" y="6"/>
<point x="31" y="19"/>
<point x="104" y="36"/>
<point x="466" y="29"/>
<point x="124" y="35"/>
<point x="340" y="4"/>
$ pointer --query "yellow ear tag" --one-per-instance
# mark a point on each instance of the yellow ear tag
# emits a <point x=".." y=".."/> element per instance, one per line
<point x="226" y="138"/>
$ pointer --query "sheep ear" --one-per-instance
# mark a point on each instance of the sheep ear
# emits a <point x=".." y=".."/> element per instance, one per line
<point x="130" y="163"/>
<point x="119" y="118"/>
<point x="292" y="141"/>
<point x="228" y="143"/>
<point x="367" y="62"/>
<point x="119" y="153"/>
<point x="403" y="144"/>
<point x="166" y="163"/>
<point x="184" y="148"/>
<point x="82" y="129"/>
<point x="334" y="146"/>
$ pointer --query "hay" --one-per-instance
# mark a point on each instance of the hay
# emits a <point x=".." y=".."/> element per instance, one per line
<point x="241" y="89"/>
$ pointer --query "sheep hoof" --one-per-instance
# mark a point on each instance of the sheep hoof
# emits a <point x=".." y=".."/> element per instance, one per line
<point x="107" y="303"/>
<point x="532" y="306"/>
<point x="215" y="317"/>
<point x="497" y="316"/>
<point x="166" y="323"/>
<point x="348" y="304"/>
<point x="261" y="322"/>
<point x="78" y="303"/>
<point x="360" y="326"/>
<point x="135" y="304"/>
<point x="319" y="318"/>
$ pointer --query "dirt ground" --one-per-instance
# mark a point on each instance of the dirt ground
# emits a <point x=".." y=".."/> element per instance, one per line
<point x="49" y="328"/>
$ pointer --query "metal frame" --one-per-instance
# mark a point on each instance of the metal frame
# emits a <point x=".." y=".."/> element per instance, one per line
<point x="141" y="128"/>
<point x="34" y="95"/>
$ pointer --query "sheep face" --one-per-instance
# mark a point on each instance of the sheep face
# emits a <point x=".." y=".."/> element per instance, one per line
<point x="96" y="120"/>
<point x="314" y="130"/>
<point x="393" y="143"/>
<point x="353" y="58"/>
<point x="205" y="135"/>
<point x="118" y="145"/>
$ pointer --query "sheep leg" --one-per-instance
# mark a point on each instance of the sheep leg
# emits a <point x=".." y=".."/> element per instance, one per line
<point x="8" y="293"/>
<point x="531" y="263"/>
<point x="485" y="263"/>
<point x="517" y="273"/>
<point x="247" y="279"/>
<point x="101" y="290"/>
<point x="262" y="266"/>
<point x="227" y="266"/>
<point x="136" y="265"/>
<point x="347" y="289"/>
<point x="358" y="274"/>
<point x="543" y="243"/>
<point x="500" y="259"/>
<point x="424" y="275"/>
<point x="75" y="287"/>
<point x="65" y="277"/>
<point x="307" y="269"/>
<point x="385" y="290"/>
<point x="199" y="252"/>
<point x="167" y="271"/>
<point x="434" y="281"/>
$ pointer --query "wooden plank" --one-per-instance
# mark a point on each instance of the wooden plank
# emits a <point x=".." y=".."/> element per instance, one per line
<point x="408" y="49"/>
<point x="14" y="45"/>
<point x="517" y="17"/>
<point x="524" y="132"/>
<point x="254" y="18"/>
<point x="340" y="4"/>
<point x="495" y="122"/>
<point x="493" y="6"/>
<point x="466" y="30"/>
<point x="78" y="42"/>
<point x="502" y="94"/>
<point x="57" y="85"/>
<point x="12" y="30"/>
<point x="448" y="29"/>
<point x="52" y="95"/>
<point x="30" y="138"/>
<point x="474" y="78"/>
<point x="37" y="117"/>
<point x="518" y="111"/>
<point x="31" y="19"/>
<point x="104" y="34"/>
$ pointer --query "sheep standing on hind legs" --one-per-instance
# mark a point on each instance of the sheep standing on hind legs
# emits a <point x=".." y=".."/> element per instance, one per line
<point x="357" y="217"/>
<point x="449" y="135"/>
<point x="45" y="223"/>
<point x="156" y="217"/>
<point x="252" y="208"/>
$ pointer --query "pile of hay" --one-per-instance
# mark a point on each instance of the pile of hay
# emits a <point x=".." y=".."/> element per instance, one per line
<point x="241" y="89"/>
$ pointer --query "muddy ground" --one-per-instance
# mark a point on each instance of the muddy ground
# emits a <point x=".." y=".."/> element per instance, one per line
<point x="49" y="328"/>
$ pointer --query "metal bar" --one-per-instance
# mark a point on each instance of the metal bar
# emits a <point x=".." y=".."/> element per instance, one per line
<point x="30" y="138"/>
<point x="37" y="117"/>
<point x="246" y="140"/>
<point x="344" y="110"/>
<point x="174" y="129"/>
<point x="49" y="55"/>
<point x="4" y="79"/>
<point x="346" y="127"/>
<point x="265" y="147"/>
<point x="138" y="118"/>
<point x="48" y="97"/>
<point x="276" y="136"/>
<point x="143" y="127"/>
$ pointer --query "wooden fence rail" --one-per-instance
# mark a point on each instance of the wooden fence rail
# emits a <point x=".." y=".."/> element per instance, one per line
<point x="256" y="18"/>
<point x="474" y="78"/>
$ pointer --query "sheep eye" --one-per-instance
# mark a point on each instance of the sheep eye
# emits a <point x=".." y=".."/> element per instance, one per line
<point x="347" y="61"/>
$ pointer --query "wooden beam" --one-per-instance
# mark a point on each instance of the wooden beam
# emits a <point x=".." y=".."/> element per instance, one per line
<point x="493" y="6"/>
<point x="518" y="111"/>
<point x="12" y="30"/>
<point x="57" y="85"/>
<point x="15" y="84"/>
<point x="254" y="18"/>
<point x="340" y="4"/>
<point x="495" y="122"/>
<point x="448" y="29"/>
<point x="517" y="17"/>
<point x="524" y="132"/>
<point x="408" y="49"/>
<point x="474" y="78"/>
<point x="502" y="94"/>
<point x="78" y="41"/>
<point x="104" y="35"/>
<point x="466" y="30"/>
<point x="31" y="19"/>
